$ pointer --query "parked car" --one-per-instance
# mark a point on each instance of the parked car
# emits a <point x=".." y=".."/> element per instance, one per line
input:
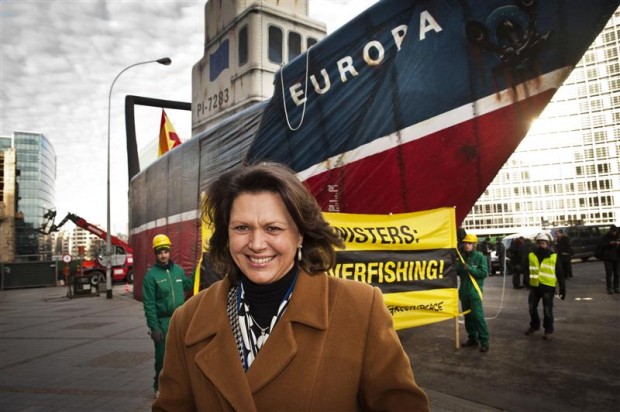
<point x="495" y="263"/>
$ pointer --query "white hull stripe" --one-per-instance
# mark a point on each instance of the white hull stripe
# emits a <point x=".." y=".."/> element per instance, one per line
<point x="178" y="218"/>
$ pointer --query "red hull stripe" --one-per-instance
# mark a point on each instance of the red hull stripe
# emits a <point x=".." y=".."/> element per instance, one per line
<point x="450" y="167"/>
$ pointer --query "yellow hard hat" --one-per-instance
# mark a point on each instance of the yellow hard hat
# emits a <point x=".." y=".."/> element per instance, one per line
<point x="470" y="238"/>
<point x="161" y="241"/>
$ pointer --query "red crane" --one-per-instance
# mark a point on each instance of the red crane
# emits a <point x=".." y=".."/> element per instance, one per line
<point x="122" y="254"/>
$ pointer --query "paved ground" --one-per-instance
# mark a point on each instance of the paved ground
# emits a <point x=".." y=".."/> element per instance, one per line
<point x="93" y="353"/>
<point x="60" y="354"/>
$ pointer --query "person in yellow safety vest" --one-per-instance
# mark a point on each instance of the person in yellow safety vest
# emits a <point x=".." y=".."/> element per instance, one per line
<point x="544" y="273"/>
<point x="163" y="291"/>
<point x="472" y="272"/>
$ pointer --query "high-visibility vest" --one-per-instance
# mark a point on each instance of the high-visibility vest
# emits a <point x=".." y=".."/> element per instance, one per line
<point x="542" y="273"/>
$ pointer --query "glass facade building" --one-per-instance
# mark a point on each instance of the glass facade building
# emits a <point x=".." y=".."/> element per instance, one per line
<point x="5" y="142"/>
<point x="35" y="160"/>
<point x="567" y="169"/>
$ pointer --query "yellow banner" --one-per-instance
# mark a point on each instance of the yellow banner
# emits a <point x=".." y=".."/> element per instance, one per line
<point x="205" y="235"/>
<point x="432" y="229"/>
<point x="411" y="309"/>
<point x="408" y="256"/>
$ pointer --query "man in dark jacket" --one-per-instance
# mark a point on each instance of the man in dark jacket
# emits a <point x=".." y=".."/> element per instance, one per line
<point x="500" y="253"/>
<point x="609" y="247"/>
<point x="543" y="274"/>
<point x="163" y="290"/>
<point x="565" y="253"/>
<point x="516" y="265"/>
<point x="485" y="247"/>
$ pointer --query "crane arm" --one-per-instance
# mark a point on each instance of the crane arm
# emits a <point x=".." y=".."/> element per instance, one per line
<point x="49" y="226"/>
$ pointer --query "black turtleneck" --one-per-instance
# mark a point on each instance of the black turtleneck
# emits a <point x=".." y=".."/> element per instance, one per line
<point x="264" y="300"/>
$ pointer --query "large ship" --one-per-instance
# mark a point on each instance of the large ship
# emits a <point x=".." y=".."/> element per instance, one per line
<point x="412" y="105"/>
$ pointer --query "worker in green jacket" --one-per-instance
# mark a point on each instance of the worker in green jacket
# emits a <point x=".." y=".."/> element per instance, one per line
<point x="472" y="270"/>
<point x="163" y="290"/>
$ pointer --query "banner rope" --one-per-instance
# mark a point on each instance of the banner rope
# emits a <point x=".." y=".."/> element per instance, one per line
<point x="303" y="112"/>
<point x="501" y="301"/>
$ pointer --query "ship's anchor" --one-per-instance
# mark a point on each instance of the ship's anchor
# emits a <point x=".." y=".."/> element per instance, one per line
<point x="510" y="32"/>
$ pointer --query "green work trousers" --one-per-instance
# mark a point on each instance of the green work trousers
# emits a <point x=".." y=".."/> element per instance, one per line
<point x="475" y="324"/>
<point x="160" y="350"/>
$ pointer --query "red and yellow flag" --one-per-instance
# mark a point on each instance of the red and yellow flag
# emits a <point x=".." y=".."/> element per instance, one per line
<point x="168" y="138"/>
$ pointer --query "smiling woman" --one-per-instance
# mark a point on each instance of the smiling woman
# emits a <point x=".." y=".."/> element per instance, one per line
<point x="277" y="332"/>
<point x="263" y="237"/>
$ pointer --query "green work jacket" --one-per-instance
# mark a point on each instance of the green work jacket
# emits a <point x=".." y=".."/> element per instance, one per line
<point x="478" y="268"/>
<point x="163" y="290"/>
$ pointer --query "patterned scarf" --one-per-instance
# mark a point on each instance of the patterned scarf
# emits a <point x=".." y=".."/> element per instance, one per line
<point x="249" y="335"/>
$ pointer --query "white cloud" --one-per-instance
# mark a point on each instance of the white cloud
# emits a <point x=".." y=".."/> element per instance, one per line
<point x="58" y="60"/>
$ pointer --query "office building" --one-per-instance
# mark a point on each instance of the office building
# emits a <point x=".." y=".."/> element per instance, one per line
<point x="567" y="169"/>
<point x="7" y="203"/>
<point x="36" y="187"/>
<point x="81" y="243"/>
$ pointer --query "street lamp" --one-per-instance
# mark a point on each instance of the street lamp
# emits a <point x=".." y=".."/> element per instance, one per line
<point x="108" y="275"/>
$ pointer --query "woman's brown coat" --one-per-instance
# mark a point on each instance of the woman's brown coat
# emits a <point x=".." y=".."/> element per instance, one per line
<point x="334" y="348"/>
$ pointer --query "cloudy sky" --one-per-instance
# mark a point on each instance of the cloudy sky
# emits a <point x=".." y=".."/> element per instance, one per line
<point x="58" y="60"/>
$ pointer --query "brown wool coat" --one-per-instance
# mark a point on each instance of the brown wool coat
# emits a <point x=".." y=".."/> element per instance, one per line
<point x="333" y="349"/>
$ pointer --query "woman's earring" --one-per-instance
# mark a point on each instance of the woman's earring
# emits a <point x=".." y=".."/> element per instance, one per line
<point x="299" y="253"/>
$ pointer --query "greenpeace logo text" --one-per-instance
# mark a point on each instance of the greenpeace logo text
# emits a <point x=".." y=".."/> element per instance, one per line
<point x="430" y="307"/>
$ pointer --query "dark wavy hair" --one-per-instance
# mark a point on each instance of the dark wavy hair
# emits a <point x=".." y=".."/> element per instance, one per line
<point x="319" y="238"/>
